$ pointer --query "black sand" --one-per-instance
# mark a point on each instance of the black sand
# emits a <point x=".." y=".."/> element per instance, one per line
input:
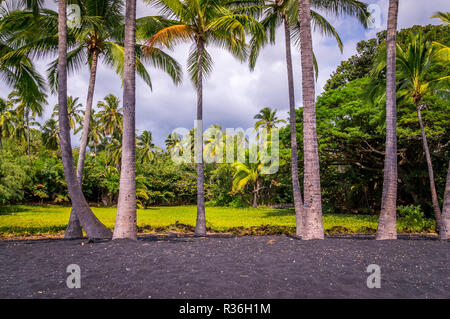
<point x="225" y="267"/>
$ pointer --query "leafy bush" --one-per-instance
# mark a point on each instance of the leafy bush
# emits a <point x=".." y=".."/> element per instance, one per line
<point x="413" y="218"/>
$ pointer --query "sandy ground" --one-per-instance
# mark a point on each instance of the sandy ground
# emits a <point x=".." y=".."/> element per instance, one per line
<point x="225" y="267"/>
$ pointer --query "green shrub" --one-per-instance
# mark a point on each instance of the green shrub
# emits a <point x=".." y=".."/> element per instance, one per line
<point x="413" y="218"/>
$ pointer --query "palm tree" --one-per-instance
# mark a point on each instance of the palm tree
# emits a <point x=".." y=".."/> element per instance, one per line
<point x="126" y="208"/>
<point x="28" y="104"/>
<point x="312" y="221"/>
<point x="50" y="135"/>
<point x="387" y="224"/>
<point x="174" y="142"/>
<point x="248" y="173"/>
<point x="74" y="111"/>
<point x="110" y="115"/>
<point x="445" y="221"/>
<point x="286" y="12"/>
<point x="146" y="148"/>
<point x="416" y="79"/>
<point x="114" y="149"/>
<point x="267" y="119"/>
<point x="202" y="23"/>
<point x="92" y="226"/>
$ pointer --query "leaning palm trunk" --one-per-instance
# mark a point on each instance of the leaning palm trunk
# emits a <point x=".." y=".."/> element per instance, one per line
<point x="444" y="233"/>
<point x="126" y="208"/>
<point x="200" y="227"/>
<point x="74" y="228"/>
<point x="312" y="223"/>
<point x="434" y="198"/>
<point x="298" y="204"/>
<point x="387" y="224"/>
<point x="92" y="226"/>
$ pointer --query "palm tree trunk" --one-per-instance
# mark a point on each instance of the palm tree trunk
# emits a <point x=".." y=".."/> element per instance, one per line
<point x="27" y="119"/>
<point x="444" y="233"/>
<point x="298" y="203"/>
<point x="255" y="197"/>
<point x="1" y="136"/>
<point x="87" y="117"/>
<point x="92" y="226"/>
<point x="387" y="223"/>
<point x="126" y="208"/>
<point x="312" y="223"/>
<point x="74" y="228"/>
<point x="200" y="227"/>
<point x="434" y="198"/>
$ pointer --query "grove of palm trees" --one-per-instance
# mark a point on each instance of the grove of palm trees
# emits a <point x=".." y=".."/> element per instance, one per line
<point x="221" y="149"/>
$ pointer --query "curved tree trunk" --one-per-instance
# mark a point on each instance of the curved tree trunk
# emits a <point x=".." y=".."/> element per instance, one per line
<point x="200" y="227"/>
<point x="126" y="208"/>
<point x="74" y="228"/>
<point x="312" y="223"/>
<point x="298" y="203"/>
<point x="387" y="223"/>
<point x="444" y="234"/>
<point x="434" y="198"/>
<point x="92" y="226"/>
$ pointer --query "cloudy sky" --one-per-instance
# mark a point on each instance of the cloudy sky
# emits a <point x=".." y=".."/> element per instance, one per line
<point x="233" y="94"/>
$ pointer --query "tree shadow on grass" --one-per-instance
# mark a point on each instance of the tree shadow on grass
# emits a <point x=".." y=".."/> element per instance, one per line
<point x="278" y="213"/>
<point x="9" y="210"/>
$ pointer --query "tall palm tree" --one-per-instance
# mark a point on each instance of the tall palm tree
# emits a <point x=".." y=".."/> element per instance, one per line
<point x="74" y="110"/>
<point x="202" y="23"/>
<point x="92" y="226"/>
<point x="415" y="80"/>
<point x="387" y="225"/>
<point x="126" y="208"/>
<point x="312" y="221"/>
<point x="286" y="12"/>
<point x="414" y="64"/>
<point x="146" y="147"/>
<point x="28" y="104"/>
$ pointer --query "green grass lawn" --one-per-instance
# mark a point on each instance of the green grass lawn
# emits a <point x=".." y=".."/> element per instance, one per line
<point x="35" y="220"/>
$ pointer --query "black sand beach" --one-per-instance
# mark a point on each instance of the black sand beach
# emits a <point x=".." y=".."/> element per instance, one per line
<point x="225" y="267"/>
